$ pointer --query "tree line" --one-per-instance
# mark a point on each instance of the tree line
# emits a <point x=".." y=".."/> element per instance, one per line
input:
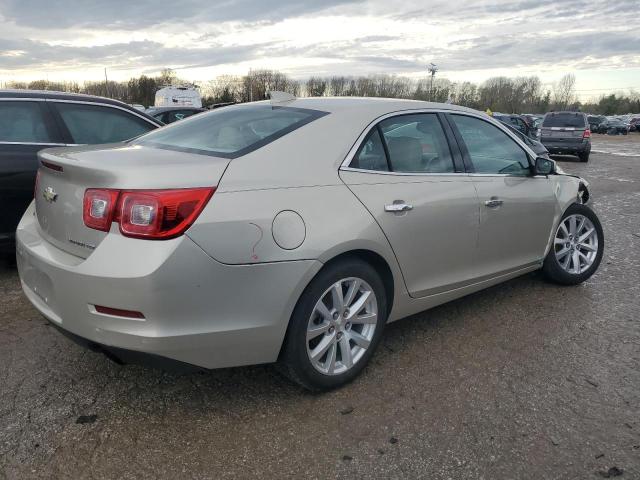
<point x="499" y="94"/>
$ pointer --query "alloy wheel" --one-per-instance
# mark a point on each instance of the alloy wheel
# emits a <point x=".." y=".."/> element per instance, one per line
<point x="341" y="326"/>
<point x="576" y="244"/>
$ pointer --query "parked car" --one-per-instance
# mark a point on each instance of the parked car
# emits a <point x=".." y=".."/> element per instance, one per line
<point x="595" y="121"/>
<point x="613" y="127"/>
<point x="253" y="234"/>
<point x="171" y="114"/>
<point x="33" y="120"/>
<point x="538" y="148"/>
<point x="566" y="133"/>
<point x="634" y="124"/>
<point x="517" y="121"/>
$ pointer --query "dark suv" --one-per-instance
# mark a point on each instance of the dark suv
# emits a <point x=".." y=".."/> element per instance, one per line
<point x="566" y="133"/>
<point x="32" y="120"/>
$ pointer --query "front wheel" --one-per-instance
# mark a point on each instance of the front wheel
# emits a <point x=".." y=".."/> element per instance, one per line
<point x="577" y="247"/>
<point x="336" y="326"/>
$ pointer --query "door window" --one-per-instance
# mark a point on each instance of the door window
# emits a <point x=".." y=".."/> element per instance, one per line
<point x="23" y="122"/>
<point x="371" y="154"/>
<point x="417" y="144"/>
<point x="414" y="144"/>
<point x="490" y="149"/>
<point x="92" y="124"/>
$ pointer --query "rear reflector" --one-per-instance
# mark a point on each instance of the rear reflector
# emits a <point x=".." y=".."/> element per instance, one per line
<point x="150" y="214"/>
<point x="586" y="134"/>
<point x="118" y="312"/>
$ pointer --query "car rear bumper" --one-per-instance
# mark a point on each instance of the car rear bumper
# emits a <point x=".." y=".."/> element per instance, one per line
<point x="196" y="310"/>
<point x="566" y="146"/>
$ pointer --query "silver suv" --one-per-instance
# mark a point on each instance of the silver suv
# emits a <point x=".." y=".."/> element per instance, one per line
<point x="566" y="133"/>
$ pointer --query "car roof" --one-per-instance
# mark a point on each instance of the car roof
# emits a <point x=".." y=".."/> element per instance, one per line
<point x="335" y="104"/>
<point x="74" y="97"/>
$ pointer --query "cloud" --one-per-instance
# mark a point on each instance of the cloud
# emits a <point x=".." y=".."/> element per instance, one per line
<point x="127" y="14"/>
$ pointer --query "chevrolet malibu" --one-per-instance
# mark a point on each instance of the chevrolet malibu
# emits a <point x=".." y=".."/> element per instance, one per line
<point x="292" y="231"/>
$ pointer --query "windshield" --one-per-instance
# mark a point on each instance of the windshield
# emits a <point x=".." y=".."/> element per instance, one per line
<point x="575" y="120"/>
<point x="230" y="132"/>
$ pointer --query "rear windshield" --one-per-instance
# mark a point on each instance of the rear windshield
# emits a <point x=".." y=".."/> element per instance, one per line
<point x="564" y="120"/>
<point x="232" y="131"/>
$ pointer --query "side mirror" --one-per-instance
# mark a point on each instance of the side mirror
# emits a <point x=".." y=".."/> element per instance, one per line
<point x="544" y="166"/>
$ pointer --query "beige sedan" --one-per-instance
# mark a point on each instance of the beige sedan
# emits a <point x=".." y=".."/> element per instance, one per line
<point x="292" y="231"/>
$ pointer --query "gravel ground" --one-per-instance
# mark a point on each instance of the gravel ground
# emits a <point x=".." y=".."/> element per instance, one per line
<point x="524" y="380"/>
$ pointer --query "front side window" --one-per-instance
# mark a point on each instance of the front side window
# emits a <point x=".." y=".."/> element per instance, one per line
<point x="371" y="154"/>
<point x="23" y="122"/>
<point x="230" y="132"/>
<point x="490" y="149"/>
<point x="94" y="124"/>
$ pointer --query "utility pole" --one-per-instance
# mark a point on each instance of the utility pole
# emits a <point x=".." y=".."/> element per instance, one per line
<point x="432" y="69"/>
<point x="106" y="81"/>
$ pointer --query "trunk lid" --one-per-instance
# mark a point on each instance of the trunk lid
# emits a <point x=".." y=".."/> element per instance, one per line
<point x="65" y="173"/>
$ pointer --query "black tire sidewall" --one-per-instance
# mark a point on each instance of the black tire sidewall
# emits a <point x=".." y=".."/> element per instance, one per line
<point x="295" y="357"/>
<point x="552" y="269"/>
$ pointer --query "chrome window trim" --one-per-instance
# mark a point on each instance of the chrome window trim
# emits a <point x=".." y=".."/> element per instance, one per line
<point x="35" y="143"/>
<point x="344" y="166"/>
<point x="22" y="99"/>
<point x="100" y="104"/>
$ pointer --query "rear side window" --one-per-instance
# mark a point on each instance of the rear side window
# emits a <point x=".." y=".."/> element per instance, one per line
<point x="231" y="132"/>
<point x="566" y="120"/>
<point x="94" y="124"/>
<point x="417" y="144"/>
<point x="23" y="122"/>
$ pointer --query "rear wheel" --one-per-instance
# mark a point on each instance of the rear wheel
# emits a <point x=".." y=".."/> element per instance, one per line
<point x="584" y="156"/>
<point x="577" y="247"/>
<point x="336" y="326"/>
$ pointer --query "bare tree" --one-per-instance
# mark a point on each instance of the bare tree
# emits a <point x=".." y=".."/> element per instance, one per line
<point x="564" y="93"/>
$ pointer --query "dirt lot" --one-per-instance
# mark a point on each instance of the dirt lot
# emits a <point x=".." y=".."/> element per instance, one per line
<point x="525" y="380"/>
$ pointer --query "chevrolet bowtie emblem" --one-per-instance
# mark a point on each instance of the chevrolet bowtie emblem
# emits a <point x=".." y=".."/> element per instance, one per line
<point x="49" y="194"/>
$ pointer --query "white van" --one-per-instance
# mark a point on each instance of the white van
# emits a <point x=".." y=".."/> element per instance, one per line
<point x="178" y="97"/>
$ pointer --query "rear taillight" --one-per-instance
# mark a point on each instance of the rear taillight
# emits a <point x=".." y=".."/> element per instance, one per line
<point x="586" y="134"/>
<point x="99" y="207"/>
<point x="151" y="214"/>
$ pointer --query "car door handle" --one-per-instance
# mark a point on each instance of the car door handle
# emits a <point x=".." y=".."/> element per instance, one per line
<point x="398" y="206"/>
<point x="494" y="202"/>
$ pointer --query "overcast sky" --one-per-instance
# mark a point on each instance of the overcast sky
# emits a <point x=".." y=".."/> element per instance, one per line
<point x="469" y="40"/>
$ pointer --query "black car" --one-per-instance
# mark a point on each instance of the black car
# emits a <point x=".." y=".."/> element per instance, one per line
<point x="516" y="121"/>
<point x="538" y="148"/>
<point x="595" y="121"/>
<point x="32" y="120"/>
<point x="566" y="133"/>
<point x="172" y="114"/>
<point x="613" y="127"/>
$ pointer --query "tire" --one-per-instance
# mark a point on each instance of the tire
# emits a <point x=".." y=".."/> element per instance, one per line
<point x="561" y="268"/>
<point x="584" y="156"/>
<point x="296" y="362"/>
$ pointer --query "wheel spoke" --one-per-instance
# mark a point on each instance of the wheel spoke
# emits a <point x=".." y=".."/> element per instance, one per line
<point x="359" y="304"/>
<point x="563" y="227"/>
<point x="351" y="292"/>
<point x="321" y="348"/>
<point x="345" y="352"/>
<point x="365" y="319"/>
<point x="586" y="246"/>
<point x="562" y="253"/>
<point x="572" y="225"/>
<point x="560" y="241"/>
<point x="360" y="340"/>
<point x="567" y="263"/>
<point x="322" y="309"/>
<point x="586" y="235"/>
<point x="336" y="295"/>
<point x="318" y="330"/>
<point x="331" y="358"/>
<point x="576" y="261"/>
<point x="581" y="225"/>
